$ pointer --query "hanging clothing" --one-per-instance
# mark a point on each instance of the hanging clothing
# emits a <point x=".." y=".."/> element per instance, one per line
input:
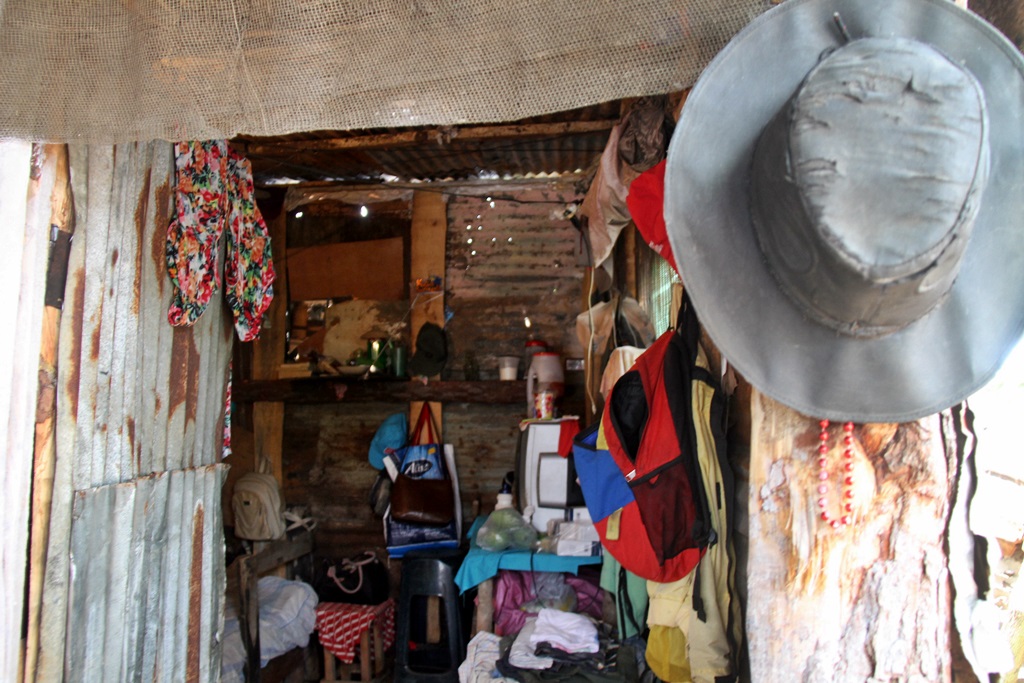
<point x="196" y="228"/>
<point x="634" y="145"/>
<point x="214" y="196"/>
<point x="702" y="604"/>
<point x="630" y="593"/>
<point x="604" y="205"/>
<point x="249" y="269"/>
<point x="646" y="202"/>
<point x="620" y="361"/>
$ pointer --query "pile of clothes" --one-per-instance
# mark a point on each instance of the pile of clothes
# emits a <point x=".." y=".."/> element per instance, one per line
<point x="562" y="635"/>
<point x="553" y="646"/>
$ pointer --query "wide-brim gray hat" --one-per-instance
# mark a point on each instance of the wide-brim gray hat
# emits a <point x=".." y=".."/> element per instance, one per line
<point x="882" y="281"/>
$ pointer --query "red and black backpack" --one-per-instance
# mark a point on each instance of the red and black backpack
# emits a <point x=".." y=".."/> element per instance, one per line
<point x="650" y="473"/>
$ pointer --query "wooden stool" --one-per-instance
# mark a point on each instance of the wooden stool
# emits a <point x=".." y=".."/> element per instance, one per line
<point x="375" y="625"/>
<point x="370" y="660"/>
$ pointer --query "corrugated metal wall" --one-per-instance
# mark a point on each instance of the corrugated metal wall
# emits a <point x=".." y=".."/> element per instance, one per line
<point x="135" y="572"/>
<point x="147" y="579"/>
<point x="514" y="260"/>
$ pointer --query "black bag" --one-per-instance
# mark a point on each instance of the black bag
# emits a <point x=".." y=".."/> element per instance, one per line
<point x="358" y="580"/>
<point x="380" y="493"/>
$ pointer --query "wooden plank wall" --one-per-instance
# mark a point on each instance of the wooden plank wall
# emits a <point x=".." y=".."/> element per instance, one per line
<point x="488" y="294"/>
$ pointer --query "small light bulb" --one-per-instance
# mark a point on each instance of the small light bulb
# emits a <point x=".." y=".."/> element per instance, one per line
<point x="473" y="253"/>
<point x="363" y="211"/>
<point x="510" y="240"/>
<point x="469" y="227"/>
<point x="492" y="205"/>
<point x="526" y="321"/>
<point x="479" y="227"/>
<point x="469" y="241"/>
<point x="298" y="214"/>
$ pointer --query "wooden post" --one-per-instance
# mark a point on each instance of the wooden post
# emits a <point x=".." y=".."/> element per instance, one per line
<point x="484" y="618"/>
<point x="268" y="354"/>
<point x="45" y="441"/>
<point x="591" y="363"/>
<point x="870" y="601"/>
<point x="628" y="281"/>
<point x="427" y="260"/>
<point x="249" y="619"/>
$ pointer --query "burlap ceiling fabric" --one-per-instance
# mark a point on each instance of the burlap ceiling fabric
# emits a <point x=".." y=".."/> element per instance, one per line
<point x="104" y="71"/>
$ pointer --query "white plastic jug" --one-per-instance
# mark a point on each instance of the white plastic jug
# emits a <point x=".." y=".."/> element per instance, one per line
<point x="544" y="374"/>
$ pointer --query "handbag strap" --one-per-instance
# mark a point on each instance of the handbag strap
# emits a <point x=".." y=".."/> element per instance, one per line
<point x="352" y="567"/>
<point x="426" y="418"/>
<point x="296" y="521"/>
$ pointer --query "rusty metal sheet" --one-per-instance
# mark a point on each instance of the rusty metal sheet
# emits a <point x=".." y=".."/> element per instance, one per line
<point x="521" y="263"/>
<point x="147" y="563"/>
<point x="143" y="390"/>
<point x="137" y="427"/>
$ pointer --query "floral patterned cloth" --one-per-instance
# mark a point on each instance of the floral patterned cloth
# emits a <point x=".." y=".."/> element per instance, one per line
<point x="249" y="270"/>
<point x="195" y="230"/>
<point x="215" y="190"/>
<point x="226" y="449"/>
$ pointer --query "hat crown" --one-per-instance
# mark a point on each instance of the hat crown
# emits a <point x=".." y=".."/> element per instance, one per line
<point x="865" y="186"/>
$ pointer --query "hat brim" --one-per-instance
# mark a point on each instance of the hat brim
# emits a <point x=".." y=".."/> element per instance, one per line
<point x="931" y="364"/>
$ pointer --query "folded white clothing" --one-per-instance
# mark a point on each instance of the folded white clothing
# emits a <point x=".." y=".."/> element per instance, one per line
<point x="567" y="631"/>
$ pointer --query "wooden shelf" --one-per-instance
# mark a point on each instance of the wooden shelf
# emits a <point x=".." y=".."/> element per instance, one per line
<point x="339" y="389"/>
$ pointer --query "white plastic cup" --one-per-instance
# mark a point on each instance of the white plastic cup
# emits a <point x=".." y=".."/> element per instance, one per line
<point x="508" y="367"/>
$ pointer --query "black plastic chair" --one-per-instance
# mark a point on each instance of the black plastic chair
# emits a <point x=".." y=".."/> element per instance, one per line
<point x="425" y="575"/>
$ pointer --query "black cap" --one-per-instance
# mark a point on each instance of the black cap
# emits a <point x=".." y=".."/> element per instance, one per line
<point x="431" y="351"/>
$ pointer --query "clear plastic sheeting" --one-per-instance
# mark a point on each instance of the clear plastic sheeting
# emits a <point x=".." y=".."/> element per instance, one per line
<point x="110" y="72"/>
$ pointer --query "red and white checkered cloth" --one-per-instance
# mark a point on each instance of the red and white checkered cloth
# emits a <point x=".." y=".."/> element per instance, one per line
<point x="340" y="624"/>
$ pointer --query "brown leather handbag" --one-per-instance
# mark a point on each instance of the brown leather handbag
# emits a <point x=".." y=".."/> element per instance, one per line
<point x="422" y="493"/>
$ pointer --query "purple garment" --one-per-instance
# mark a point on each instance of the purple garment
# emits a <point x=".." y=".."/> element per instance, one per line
<point x="515" y="588"/>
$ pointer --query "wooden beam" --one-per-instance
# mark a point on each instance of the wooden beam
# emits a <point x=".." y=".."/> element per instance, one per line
<point x="429" y="238"/>
<point x="45" y="442"/>
<point x="249" y="619"/>
<point x="427" y="257"/>
<point x="323" y="390"/>
<point x="628" y="282"/>
<point x="410" y="138"/>
<point x="267" y="355"/>
<point x="281" y="552"/>
<point x="591" y="362"/>
<point x="268" y="438"/>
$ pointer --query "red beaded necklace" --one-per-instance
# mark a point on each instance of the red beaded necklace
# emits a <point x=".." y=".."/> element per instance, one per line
<point x="846" y="492"/>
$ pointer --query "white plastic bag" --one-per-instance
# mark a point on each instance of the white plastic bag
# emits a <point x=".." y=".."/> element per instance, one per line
<point x="506" y="529"/>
